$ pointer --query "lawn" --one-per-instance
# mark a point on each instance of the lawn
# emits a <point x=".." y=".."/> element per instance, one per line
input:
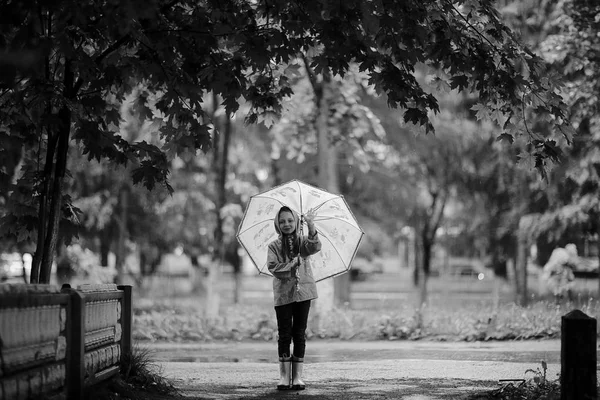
<point x="383" y="307"/>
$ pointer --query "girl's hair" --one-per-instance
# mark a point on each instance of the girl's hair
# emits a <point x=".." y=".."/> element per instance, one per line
<point x="285" y="208"/>
<point x="290" y="243"/>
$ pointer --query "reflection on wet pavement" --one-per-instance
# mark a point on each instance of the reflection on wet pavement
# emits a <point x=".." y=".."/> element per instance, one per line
<point x="352" y="351"/>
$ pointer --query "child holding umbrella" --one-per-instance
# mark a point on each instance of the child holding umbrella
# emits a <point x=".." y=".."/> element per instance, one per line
<point x="293" y="289"/>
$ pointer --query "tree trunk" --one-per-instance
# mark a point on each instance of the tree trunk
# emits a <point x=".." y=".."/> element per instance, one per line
<point x="420" y="271"/>
<point x="43" y="204"/>
<point x="598" y="247"/>
<point x="275" y="173"/>
<point x="48" y="171"/>
<point x="326" y="179"/>
<point x="120" y="255"/>
<point x="104" y="247"/>
<point x="237" y="286"/>
<point x="428" y="243"/>
<point x="341" y="283"/>
<point x="521" y="265"/>
<point x="51" y="236"/>
<point x="54" y="173"/>
<point x="220" y="166"/>
<point x="425" y="243"/>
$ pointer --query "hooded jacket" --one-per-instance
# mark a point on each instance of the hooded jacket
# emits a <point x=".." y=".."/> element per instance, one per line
<point x="291" y="284"/>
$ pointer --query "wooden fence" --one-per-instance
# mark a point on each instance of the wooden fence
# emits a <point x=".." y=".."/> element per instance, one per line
<point x="58" y="341"/>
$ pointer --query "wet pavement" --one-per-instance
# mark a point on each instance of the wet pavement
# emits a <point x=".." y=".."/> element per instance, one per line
<point x="407" y="370"/>
<point x="335" y="351"/>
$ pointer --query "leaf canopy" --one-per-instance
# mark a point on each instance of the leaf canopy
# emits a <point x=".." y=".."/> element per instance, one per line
<point x="80" y="59"/>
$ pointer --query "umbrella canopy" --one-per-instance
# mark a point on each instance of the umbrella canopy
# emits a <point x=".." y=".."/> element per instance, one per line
<point x="338" y="230"/>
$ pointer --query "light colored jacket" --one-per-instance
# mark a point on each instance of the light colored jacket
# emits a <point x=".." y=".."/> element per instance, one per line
<point x="289" y="287"/>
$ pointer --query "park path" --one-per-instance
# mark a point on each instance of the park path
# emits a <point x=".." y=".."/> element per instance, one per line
<point x="356" y="370"/>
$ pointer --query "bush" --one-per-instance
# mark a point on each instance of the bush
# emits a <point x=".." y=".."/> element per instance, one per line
<point x="538" y="387"/>
<point x="140" y="379"/>
<point x="138" y="369"/>
<point x="541" y="320"/>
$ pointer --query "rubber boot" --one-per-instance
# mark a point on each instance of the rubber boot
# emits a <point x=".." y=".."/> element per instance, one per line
<point x="285" y="373"/>
<point x="297" y="369"/>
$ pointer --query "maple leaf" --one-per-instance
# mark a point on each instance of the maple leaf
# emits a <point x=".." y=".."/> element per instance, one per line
<point x="415" y="115"/>
<point x="482" y="111"/>
<point x="506" y="137"/>
<point x="459" y="82"/>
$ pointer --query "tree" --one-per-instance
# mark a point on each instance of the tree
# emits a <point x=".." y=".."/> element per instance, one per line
<point x="566" y="37"/>
<point x="435" y="166"/>
<point x="325" y="125"/>
<point x="65" y="62"/>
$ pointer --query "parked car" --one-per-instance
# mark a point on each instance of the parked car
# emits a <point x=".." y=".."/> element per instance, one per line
<point x="462" y="267"/>
<point x="362" y="267"/>
<point x="587" y="267"/>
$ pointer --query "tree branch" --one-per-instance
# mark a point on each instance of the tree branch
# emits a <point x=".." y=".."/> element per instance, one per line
<point x="318" y="89"/>
<point x="167" y="76"/>
<point x="113" y="47"/>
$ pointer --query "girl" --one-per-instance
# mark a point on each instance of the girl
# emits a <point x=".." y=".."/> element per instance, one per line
<point x="293" y="289"/>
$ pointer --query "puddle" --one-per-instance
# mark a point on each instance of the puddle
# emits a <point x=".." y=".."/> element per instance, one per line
<point x="218" y="359"/>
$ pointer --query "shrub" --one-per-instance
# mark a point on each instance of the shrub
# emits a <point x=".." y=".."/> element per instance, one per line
<point x="138" y="369"/>
<point x="183" y="322"/>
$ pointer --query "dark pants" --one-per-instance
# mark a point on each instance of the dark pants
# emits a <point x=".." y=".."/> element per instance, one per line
<point x="291" y="325"/>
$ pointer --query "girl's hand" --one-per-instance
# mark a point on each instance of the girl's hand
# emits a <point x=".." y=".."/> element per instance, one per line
<point x="309" y="217"/>
<point x="310" y="221"/>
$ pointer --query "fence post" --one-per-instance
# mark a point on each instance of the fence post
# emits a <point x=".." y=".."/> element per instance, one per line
<point x="126" y="320"/>
<point x="75" y="344"/>
<point x="578" y="357"/>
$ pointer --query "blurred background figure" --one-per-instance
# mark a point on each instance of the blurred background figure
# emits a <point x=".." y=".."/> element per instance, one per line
<point x="558" y="274"/>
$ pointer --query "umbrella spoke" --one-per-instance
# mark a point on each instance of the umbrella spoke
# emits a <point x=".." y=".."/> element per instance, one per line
<point x="246" y="229"/>
<point x="258" y="196"/>
<point x="335" y="219"/>
<point x="336" y="250"/>
<point x="325" y="202"/>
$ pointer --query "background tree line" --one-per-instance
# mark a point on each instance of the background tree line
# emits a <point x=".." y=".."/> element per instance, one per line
<point x="205" y="103"/>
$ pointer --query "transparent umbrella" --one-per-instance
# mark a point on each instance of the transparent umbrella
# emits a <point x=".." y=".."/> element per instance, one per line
<point x="338" y="230"/>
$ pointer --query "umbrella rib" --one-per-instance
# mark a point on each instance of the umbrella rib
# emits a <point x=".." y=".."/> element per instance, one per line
<point x="258" y="196"/>
<point x="326" y="201"/>
<point x="252" y="226"/>
<point x="340" y="220"/>
<point x="300" y="198"/>
<point x="336" y="250"/>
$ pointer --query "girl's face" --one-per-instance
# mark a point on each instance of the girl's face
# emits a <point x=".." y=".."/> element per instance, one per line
<point x="287" y="224"/>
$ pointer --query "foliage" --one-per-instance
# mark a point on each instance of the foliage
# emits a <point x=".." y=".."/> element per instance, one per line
<point x="351" y="125"/>
<point x="564" y="33"/>
<point x="538" y="387"/>
<point x="67" y="67"/>
<point x="436" y="172"/>
<point x="138" y="368"/>
<point x="139" y="379"/>
<point x="84" y="265"/>
<point x="175" y="321"/>
<point x="111" y="208"/>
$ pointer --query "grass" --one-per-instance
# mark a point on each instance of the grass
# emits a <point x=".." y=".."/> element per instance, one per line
<point x="140" y="379"/>
<point x="137" y="368"/>
<point x="173" y="321"/>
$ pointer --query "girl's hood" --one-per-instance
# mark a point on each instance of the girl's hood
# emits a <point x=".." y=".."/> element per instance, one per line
<point x="296" y="219"/>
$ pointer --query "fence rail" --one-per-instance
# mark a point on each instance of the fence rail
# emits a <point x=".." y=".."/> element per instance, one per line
<point x="58" y="341"/>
